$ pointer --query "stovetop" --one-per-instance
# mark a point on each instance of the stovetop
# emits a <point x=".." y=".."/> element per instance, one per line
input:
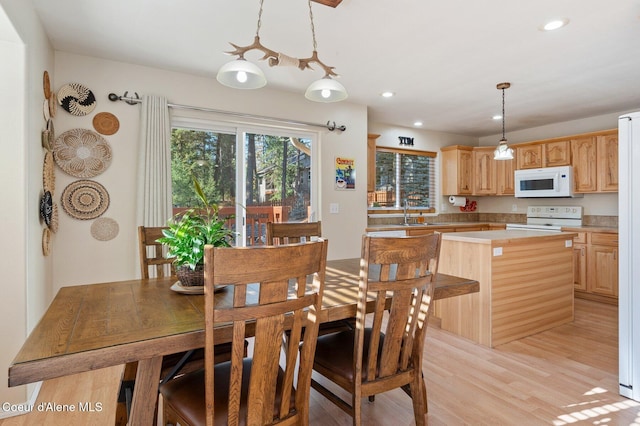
<point x="550" y="217"/>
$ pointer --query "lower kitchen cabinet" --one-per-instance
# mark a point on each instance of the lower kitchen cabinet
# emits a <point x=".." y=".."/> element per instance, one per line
<point x="595" y="266"/>
<point x="580" y="262"/>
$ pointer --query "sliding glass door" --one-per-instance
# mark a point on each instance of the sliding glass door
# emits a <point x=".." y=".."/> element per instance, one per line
<point x="254" y="175"/>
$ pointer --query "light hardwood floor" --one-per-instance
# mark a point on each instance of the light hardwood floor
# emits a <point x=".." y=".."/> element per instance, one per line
<point x="564" y="376"/>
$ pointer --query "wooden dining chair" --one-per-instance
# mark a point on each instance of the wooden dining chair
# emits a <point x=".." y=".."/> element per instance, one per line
<point x="152" y="258"/>
<point x="151" y="254"/>
<point x="292" y="232"/>
<point x="295" y="232"/>
<point x="385" y="351"/>
<point x="270" y="295"/>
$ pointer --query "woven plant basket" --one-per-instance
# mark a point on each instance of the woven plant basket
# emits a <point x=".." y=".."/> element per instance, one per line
<point x="189" y="277"/>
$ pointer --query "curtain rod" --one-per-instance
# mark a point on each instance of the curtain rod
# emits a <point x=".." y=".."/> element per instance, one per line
<point x="133" y="101"/>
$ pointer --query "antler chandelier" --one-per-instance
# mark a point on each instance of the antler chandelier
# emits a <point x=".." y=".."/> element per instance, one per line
<point x="242" y="74"/>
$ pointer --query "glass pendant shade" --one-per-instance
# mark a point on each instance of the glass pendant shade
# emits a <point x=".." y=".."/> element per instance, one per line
<point x="241" y="74"/>
<point x="326" y="90"/>
<point x="503" y="152"/>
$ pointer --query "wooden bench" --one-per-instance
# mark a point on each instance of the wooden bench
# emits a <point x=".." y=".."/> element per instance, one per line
<point x="91" y="395"/>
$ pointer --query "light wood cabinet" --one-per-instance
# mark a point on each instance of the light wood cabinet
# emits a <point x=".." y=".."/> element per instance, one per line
<point x="580" y="262"/>
<point x="529" y="156"/>
<point x="371" y="162"/>
<point x="602" y="264"/>
<point x="473" y="171"/>
<point x="557" y="153"/>
<point x="484" y="171"/>
<point x="505" y="177"/>
<point x="595" y="162"/>
<point x="595" y="266"/>
<point x="583" y="151"/>
<point x="607" y="150"/>
<point x="457" y="170"/>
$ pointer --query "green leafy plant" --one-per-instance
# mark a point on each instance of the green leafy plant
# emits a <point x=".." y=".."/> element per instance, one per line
<point x="188" y="232"/>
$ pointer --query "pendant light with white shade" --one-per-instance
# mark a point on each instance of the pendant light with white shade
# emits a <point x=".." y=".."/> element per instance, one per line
<point x="242" y="74"/>
<point x="503" y="152"/>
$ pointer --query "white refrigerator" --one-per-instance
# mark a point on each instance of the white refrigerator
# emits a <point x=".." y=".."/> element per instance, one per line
<point x="629" y="259"/>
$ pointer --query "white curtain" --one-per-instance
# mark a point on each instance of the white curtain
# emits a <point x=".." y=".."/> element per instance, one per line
<point x="154" y="163"/>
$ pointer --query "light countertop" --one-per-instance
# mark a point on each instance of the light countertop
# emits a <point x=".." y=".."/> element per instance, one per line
<point x="503" y="236"/>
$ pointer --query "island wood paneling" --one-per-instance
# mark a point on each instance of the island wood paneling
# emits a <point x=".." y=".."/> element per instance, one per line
<point x="526" y="289"/>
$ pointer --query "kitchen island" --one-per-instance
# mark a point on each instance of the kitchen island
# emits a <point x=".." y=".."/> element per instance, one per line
<point x="526" y="283"/>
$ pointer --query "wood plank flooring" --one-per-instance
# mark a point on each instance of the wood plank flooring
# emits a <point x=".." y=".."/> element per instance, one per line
<point x="564" y="376"/>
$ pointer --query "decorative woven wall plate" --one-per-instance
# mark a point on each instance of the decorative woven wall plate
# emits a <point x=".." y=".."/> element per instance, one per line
<point x="53" y="104"/>
<point x="48" y="174"/>
<point x="46" y="241"/>
<point x="46" y="207"/>
<point x="85" y="199"/>
<point x="82" y="153"/>
<point x="104" y="229"/>
<point x="76" y="99"/>
<point x="45" y="110"/>
<point x="46" y="84"/>
<point x="106" y="123"/>
<point x="53" y="226"/>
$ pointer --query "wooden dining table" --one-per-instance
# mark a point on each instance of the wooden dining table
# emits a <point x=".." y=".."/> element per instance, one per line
<point x="93" y="326"/>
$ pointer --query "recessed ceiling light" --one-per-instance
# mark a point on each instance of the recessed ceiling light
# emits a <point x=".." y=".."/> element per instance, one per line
<point x="417" y="123"/>
<point x="554" y="24"/>
<point x="387" y="94"/>
<point x="497" y="117"/>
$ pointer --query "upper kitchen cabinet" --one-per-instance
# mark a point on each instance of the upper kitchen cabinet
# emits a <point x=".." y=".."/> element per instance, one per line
<point x="484" y="171"/>
<point x="595" y="162"/>
<point x="457" y="170"/>
<point x="371" y="161"/>
<point x="607" y="150"/>
<point x="529" y="156"/>
<point x="550" y="153"/>
<point x="505" y="182"/>
<point x="556" y="153"/>
<point x="583" y="150"/>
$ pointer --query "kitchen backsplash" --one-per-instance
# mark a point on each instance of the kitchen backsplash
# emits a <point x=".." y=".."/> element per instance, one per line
<point x="608" y="221"/>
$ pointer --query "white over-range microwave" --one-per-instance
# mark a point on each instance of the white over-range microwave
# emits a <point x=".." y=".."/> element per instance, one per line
<point x="549" y="182"/>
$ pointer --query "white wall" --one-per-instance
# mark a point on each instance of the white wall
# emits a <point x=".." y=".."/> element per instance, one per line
<point x="79" y="258"/>
<point x="24" y="55"/>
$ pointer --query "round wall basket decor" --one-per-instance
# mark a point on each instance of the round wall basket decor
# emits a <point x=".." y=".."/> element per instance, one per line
<point x="48" y="174"/>
<point x="76" y="99"/>
<point x="106" y="123"/>
<point x="82" y="153"/>
<point x="85" y="199"/>
<point x="104" y="229"/>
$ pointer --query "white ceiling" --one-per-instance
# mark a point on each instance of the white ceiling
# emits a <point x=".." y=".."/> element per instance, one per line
<point x="443" y="59"/>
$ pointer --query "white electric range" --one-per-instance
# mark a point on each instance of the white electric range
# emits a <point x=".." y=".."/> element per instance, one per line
<point x="550" y="218"/>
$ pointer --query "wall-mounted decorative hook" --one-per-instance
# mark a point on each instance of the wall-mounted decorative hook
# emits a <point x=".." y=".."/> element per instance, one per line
<point x="131" y="102"/>
<point x="332" y="126"/>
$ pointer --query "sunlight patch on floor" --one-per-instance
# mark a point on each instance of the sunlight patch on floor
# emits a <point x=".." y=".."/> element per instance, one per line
<point x="597" y="414"/>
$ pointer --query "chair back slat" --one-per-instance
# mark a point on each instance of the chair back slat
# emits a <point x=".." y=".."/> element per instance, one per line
<point x="289" y="282"/>
<point x="403" y="267"/>
<point x="292" y="232"/>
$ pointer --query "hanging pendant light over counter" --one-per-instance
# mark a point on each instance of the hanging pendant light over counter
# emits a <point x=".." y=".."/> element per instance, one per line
<point x="503" y="152"/>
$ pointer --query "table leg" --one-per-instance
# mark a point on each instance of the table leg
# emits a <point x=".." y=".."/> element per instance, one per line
<point x="145" y="393"/>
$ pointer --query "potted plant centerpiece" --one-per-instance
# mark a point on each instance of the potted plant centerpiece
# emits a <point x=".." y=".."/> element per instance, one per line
<point x="187" y="234"/>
